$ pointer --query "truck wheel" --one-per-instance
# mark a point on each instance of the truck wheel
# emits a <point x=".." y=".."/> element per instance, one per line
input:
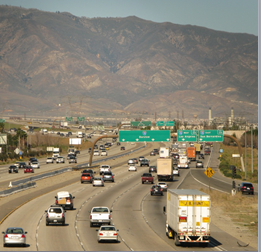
<point x="177" y="243"/>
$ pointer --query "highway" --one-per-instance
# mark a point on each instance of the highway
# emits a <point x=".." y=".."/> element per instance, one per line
<point x="138" y="215"/>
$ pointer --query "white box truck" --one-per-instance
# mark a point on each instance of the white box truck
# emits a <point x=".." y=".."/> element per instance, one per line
<point x="56" y="153"/>
<point x="164" y="152"/>
<point x="165" y="169"/>
<point x="188" y="216"/>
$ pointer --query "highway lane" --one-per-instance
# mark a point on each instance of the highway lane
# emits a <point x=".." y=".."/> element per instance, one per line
<point x="133" y="208"/>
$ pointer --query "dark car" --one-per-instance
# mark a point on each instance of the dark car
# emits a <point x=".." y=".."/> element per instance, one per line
<point x="153" y="168"/>
<point x="135" y="160"/>
<point x="201" y="156"/>
<point x="156" y="190"/>
<point x="13" y="168"/>
<point x="72" y="159"/>
<point x="176" y="155"/>
<point x="32" y="159"/>
<point x="77" y="152"/>
<point x="246" y="188"/>
<point x="152" y="153"/>
<point x="156" y="151"/>
<point x="144" y="162"/>
<point x="20" y="164"/>
<point x="86" y="177"/>
<point x="118" y="143"/>
<point x="28" y="169"/>
<point x="122" y="148"/>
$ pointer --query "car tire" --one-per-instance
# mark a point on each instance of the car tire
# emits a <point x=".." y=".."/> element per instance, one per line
<point x="142" y="182"/>
<point x="47" y="223"/>
<point x="91" y="224"/>
<point x="63" y="223"/>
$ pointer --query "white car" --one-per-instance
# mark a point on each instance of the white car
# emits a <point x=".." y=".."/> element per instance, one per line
<point x="35" y="164"/>
<point x="49" y="160"/>
<point x="132" y="168"/>
<point x="96" y="153"/>
<point x="104" y="153"/>
<point x="107" y="233"/>
<point x="59" y="160"/>
<point x="131" y="162"/>
<point x="176" y="171"/>
<point x="163" y="186"/>
<point x="97" y="181"/>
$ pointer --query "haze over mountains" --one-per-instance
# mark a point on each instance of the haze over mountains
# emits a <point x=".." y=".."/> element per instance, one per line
<point x="62" y="65"/>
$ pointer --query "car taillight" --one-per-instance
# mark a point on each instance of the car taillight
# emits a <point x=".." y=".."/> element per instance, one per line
<point x="103" y="176"/>
<point x="151" y="190"/>
<point x="109" y="216"/>
<point x="23" y="236"/>
<point x="252" y="187"/>
<point x="100" y="233"/>
<point x="111" y="176"/>
<point x="115" y="234"/>
<point x="182" y="219"/>
<point x="243" y="187"/>
<point x="6" y="236"/>
<point x="90" y="216"/>
<point x="56" y="202"/>
<point x="47" y="215"/>
<point x="161" y="189"/>
<point x="62" y="215"/>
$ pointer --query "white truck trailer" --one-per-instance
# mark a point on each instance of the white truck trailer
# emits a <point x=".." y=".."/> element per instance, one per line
<point x="188" y="216"/>
<point x="165" y="169"/>
<point x="164" y="152"/>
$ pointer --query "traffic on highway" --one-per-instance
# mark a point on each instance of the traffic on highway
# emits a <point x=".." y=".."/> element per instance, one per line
<point x="127" y="199"/>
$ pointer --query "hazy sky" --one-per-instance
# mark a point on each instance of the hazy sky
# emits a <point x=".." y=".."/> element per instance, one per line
<point x="223" y="15"/>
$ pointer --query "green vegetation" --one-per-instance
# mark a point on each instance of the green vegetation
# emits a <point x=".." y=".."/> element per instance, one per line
<point x="226" y="160"/>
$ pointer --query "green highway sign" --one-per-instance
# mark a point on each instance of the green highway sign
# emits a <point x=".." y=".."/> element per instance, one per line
<point x="80" y="118"/>
<point x="210" y="136"/>
<point x="187" y="136"/>
<point x="169" y="123"/>
<point x="160" y="123"/>
<point x="144" y="136"/>
<point x="68" y="119"/>
<point x="2" y="120"/>
<point x="140" y="124"/>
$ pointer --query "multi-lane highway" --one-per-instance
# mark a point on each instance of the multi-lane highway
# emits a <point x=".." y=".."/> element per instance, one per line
<point x="138" y="215"/>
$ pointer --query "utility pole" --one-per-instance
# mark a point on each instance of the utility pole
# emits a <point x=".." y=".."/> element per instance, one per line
<point x="245" y="151"/>
<point x="252" y="167"/>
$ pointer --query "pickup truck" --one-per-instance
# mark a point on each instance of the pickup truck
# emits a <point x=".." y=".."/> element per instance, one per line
<point x="104" y="168"/>
<point x="64" y="199"/>
<point x="100" y="215"/>
<point x="147" y="178"/>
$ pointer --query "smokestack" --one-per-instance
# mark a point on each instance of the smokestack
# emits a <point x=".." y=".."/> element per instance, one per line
<point x="209" y="116"/>
<point x="232" y="115"/>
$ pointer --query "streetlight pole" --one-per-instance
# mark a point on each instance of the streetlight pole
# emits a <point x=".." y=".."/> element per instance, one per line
<point x="245" y="151"/>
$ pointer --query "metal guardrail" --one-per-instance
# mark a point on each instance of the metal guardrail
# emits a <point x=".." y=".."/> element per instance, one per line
<point x="26" y="183"/>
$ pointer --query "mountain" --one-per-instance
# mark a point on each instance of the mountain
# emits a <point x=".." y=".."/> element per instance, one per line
<point x="59" y="64"/>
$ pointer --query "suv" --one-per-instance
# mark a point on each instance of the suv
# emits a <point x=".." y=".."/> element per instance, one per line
<point x="108" y="176"/>
<point x="153" y="168"/>
<point x="72" y="159"/>
<point x="246" y="187"/>
<point x="59" y="160"/>
<point x="86" y="177"/>
<point x="144" y="162"/>
<point x="55" y="214"/>
<point x="32" y="159"/>
<point x="49" y="160"/>
<point x="156" y="190"/>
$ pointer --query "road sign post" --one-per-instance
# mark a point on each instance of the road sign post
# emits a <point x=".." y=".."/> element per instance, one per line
<point x="209" y="172"/>
<point x="144" y="136"/>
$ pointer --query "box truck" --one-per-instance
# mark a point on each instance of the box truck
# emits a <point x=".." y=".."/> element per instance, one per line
<point x="188" y="216"/>
<point x="197" y="146"/>
<point x="191" y="153"/>
<point x="165" y="169"/>
<point x="56" y="153"/>
<point x="164" y="152"/>
<point x="183" y="162"/>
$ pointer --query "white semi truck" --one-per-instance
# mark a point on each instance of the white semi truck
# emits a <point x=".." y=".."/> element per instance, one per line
<point x="183" y="162"/>
<point x="188" y="216"/>
<point x="165" y="169"/>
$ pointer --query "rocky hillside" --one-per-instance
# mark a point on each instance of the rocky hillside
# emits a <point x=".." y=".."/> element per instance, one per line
<point x="127" y="65"/>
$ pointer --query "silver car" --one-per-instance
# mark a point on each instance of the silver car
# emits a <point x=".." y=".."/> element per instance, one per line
<point x="35" y="164"/>
<point x="59" y="160"/>
<point x="49" y="160"/>
<point x="107" y="233"/>
<point x="14" y="236"/>
<point x="55" y="214"/>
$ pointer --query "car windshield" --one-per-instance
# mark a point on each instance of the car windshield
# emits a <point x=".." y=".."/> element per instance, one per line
<point x="100" y="210"/>
<point x="107" y="228"/>
<point x="55" y="210"/>
<point x="14" y="231"/>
